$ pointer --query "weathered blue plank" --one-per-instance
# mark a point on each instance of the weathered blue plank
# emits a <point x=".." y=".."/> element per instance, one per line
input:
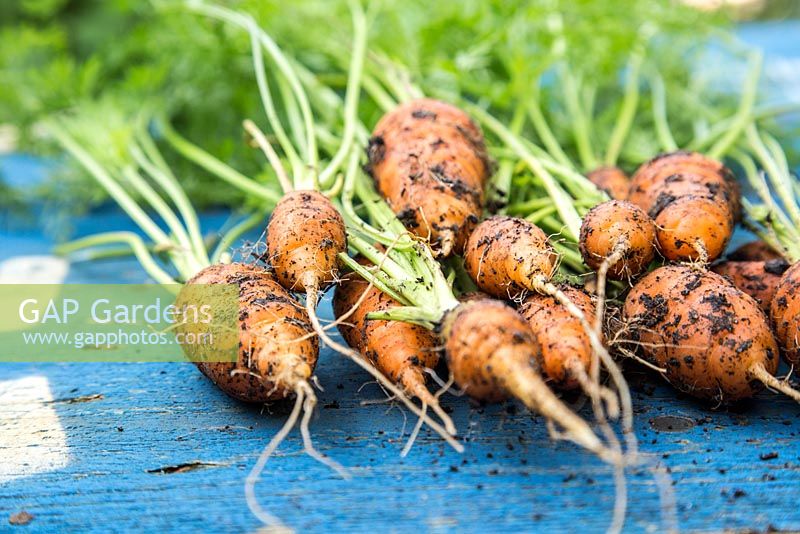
<point x="512" y="477"/>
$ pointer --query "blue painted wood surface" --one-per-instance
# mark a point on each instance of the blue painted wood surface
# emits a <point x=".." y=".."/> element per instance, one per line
<point x="142" y="418"/>
<point x="128" y="425"/>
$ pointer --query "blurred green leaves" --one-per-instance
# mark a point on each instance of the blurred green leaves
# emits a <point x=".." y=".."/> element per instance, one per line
<point x="106" y="59"/>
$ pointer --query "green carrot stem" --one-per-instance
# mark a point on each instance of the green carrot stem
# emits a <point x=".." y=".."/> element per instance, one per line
<point x="285" y="66"/>
<point x="580" y="121"/>
<point x="527" y="206"/>
<point x="663" y="131"/>
<point x="779" y="176"/>
<point x="577" y="184"/>
<point x="544" y="131"/>
<point x="130" y="239"/>
<point x="630" y="100"/>
<point x="384" y="100"/>
<point x="294" y="119"/>
<point x="272" y="156"/>
<point x="216" y="167"/>
<point x="441" y="287"/>
<point x="537" y="215"/>
<point x="743" y="114"/>
<point x="768" y="235"/>
<point x="409" y="314"/>
<point x="268" y="104"/>
<point x="351" y="187"/>
<point x="388" y="265"/>
<point x="116" y="191"/>
<point x="377" y="278"/>
<point x="297" y="91"/>
<point x="351" y="95"/>
<point x="154" y="164"/>
<point x="778" y="217"/>
<point x="462" y="278"/>
<point x="788" y="182"/>
<point x="500" y="185"/>
<point x="562" y="201"/>
<point x="149" y="194"/>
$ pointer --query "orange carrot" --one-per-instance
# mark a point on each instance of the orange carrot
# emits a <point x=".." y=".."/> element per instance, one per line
<point x="489" y="349"/>
<point x="401" y="351"/>
<point x="508" y="257"/>
<point x="785" y="314"/>
<point x="694" y="202"/>
<point x="429" y="161"/>
<point x="304" y="236"/>
<point x="618" y="237"/>
<point x="272" y="363"/>
<point x="711" y="340"/>
<point x="759" y="279"/>
<point x="612" y="180"/>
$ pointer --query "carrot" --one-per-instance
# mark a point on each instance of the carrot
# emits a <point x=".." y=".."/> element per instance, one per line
<point x="711" y="340"/>
<point x="681" y="172"/>
<point x="566" y="355"/>
<point x="759" y="279"/>
<point x="271" y="363"/>
<point x="559" y="333"/>
<point x="304" y="236"/>
<point x="428" y="160"/>
<point x="508" y="256"/>
<point x="618" y="239"/>
<point x="401" y="351"/>
<point x="693" y="228"/>
<point x="612" y="180"/>
<point x="785" y="314"/>
<point x="489" y="349"/>
<point x="306" y="231"/>
<point x="694" y="202"/>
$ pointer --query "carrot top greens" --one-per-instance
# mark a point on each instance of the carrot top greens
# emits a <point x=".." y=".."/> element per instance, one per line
<point x="68" y="54"/>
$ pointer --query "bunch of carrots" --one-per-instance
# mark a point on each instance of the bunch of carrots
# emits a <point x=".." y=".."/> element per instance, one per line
<point x="453" y="240"/>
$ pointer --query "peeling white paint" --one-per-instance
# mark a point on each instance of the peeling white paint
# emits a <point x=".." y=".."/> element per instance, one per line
<point x="33" y="270"/>
<point x="32" y="439"/>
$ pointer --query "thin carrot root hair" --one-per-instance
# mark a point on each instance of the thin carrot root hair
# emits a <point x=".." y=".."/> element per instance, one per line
<point x="445" y="386"/>
<point x="617" y="254"/>
<point x="626" y="404"/>
<point x="414" y="433"/>
<point x="308" y="410"/>
<point x="427" y="398"/>
<point x="312" y="296"/>
<point x="702" y="260"/>
<point x="597" y="391"/>
<point x="305" y="401"/>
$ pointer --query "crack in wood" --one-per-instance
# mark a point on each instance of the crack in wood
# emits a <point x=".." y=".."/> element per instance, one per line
<point x="183" y="468"/>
